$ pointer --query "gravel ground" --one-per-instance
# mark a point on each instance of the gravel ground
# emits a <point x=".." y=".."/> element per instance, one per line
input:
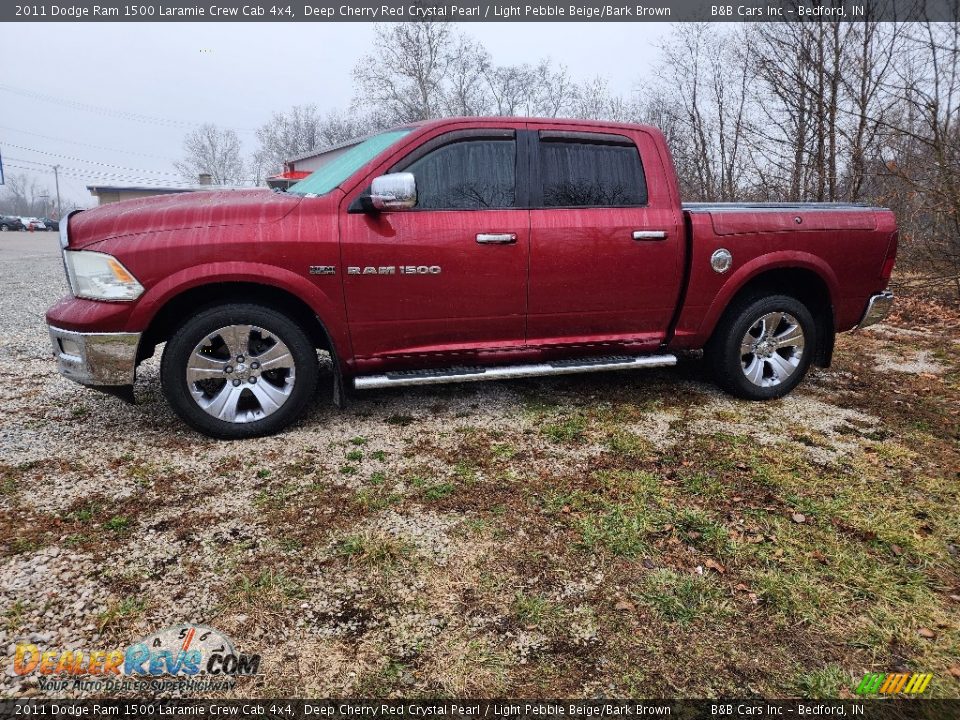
<point x="391" y="548"/>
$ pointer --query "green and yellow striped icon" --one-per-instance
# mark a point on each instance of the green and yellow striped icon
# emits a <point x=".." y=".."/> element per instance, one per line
<point x="894" y="683"/>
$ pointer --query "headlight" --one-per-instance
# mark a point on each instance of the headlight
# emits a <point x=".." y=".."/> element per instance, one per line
<point x="98" y="276"/>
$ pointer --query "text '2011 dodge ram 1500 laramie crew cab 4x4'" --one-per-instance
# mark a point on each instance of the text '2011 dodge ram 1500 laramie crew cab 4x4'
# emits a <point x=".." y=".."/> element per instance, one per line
<point x="455" y="250"/>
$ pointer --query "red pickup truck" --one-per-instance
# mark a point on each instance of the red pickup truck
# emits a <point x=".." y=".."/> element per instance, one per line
<point x="458" y="250"/>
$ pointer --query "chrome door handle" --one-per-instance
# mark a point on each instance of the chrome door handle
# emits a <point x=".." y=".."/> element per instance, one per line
<point x="649" y="234"/>
<point x="496" y="238"/>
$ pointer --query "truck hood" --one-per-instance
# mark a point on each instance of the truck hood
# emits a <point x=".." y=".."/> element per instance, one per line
<point x="179" y="212"/>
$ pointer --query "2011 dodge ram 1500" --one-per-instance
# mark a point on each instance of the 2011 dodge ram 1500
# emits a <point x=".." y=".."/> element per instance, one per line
<point x="455" y="250"/>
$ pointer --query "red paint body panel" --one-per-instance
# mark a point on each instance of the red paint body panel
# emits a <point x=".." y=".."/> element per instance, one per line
<point x="590" y="281"/>
<point x="185" y="211"/>
<point x="575" y="282"/>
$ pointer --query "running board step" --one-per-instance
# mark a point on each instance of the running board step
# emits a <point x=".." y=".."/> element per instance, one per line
<point x="505" y="372"/>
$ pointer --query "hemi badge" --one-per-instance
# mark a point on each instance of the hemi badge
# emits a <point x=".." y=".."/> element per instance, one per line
<point x="323" y="269"/>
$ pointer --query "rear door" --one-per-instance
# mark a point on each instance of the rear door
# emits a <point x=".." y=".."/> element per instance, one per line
<point x="448" y="278"/>
<point x="606" y="241"/>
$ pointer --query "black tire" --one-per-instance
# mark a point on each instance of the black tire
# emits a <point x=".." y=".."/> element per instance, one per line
<point x="180" y="349"/>
<point x="730" y="367"/>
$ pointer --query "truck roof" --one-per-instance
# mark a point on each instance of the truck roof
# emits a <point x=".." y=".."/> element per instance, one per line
<point x="509" y="120"/>
<point x="519" y="121"/>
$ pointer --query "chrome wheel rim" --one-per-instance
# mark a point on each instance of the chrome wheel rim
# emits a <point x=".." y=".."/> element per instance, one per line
<point x="241" y="373"/>
<point x="771" y="349"/>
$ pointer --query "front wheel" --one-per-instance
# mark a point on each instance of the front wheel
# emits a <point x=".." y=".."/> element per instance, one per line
<point x="239" y="371"/>
<point x="763" y="347"/>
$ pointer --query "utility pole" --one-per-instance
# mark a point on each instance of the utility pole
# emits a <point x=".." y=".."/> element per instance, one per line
<point x="56" y="181"/>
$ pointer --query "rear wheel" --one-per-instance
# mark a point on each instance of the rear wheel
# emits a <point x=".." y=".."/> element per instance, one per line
<point x="239" y="371"/>
<point x="763" y="347"/>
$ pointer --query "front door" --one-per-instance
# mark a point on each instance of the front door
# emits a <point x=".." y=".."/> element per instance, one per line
<point x="606" y="241"/>
<point x="448" y="278"/>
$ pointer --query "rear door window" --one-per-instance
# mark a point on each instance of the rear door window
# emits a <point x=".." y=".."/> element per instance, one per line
<point x="577" y="173"/>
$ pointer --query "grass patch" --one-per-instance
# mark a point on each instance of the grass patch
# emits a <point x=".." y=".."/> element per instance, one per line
<point x="374" y="499"/>
<point x="683" y="598"/>
<point x="119" y="613"/>
<point x="118" y="524"/>
<point x="822" y="684"/>
<point x="382" y="681"/>
<point x="566" y="430"/>
<point x="536" y="611"/>
<point x="696" y="528"/>
<point x="620" y="531"/>
<point x="14" y="615"/>
<point x="379" y="552"/>
<point x="439" y="491"/>
<point x="268" y="587"/>
<point x="624" y="442"/>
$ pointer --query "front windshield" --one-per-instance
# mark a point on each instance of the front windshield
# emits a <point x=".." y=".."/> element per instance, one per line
<point x="339" y="169"/>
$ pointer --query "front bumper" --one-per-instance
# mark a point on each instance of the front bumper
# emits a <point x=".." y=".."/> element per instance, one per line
<point x="98" y="359"/>
<point x="878" y="307"/>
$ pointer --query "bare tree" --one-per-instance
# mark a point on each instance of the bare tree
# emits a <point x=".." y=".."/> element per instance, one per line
<point x="593" y="99"/>
<point x="553" y="91"/>
<point x="301" y="129"/>
<point x="703" y="95"/>
<point x="404" y="77"/>
<point x="509" y="87"/>
<point x="921" y="167"/>
<point x="465" y="92"/>
<point x="288" y="134"/>
<point x="541" y="90"/>
<point x="868" y="58"/>
<point x="23" y="195"/>
<point x="212" y="151"/>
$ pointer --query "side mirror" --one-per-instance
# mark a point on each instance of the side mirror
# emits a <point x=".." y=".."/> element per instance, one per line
<point x="396" y="191"/>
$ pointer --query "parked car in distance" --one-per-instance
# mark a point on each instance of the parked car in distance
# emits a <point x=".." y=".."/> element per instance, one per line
<point x="457" y="250"/>
<point x="9" y="222"/>
<point x="50" y="224"/>
<point x="32" y="223"/>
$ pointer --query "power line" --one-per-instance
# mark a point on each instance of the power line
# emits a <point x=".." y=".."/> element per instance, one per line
<point x="89" y="145"/>
<point x="110" y="112"/>
<point x="79" y="174"/>
<point x="90" y="162"/>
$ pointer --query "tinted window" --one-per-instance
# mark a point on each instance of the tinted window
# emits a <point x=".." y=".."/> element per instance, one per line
<point x="579" y="174"/>
<point x="467" y="175"/>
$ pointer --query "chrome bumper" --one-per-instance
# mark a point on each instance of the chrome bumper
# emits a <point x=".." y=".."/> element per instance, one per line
<point x="878" y="307"/>
<point x="97" y="359"/>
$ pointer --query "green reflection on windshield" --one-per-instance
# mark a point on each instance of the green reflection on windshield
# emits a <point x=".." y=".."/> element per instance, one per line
<point x="339" y="169"/>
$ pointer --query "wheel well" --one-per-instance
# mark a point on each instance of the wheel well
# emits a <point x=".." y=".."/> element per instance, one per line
<point x="192" y="301"/>
<point x="810" y="289"/>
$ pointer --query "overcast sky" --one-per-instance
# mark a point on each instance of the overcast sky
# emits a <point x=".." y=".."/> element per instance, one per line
<point x="76" y="94"/>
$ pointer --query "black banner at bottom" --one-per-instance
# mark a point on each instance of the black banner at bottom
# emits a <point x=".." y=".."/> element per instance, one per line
<point x="872" y="709"/>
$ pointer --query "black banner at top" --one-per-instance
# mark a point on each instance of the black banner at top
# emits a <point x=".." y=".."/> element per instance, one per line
<point x="481" y="11"/>
<point x="326" y="709"/>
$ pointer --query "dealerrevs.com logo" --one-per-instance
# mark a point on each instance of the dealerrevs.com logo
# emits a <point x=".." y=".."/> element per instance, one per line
<point x="186" y="657"/>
